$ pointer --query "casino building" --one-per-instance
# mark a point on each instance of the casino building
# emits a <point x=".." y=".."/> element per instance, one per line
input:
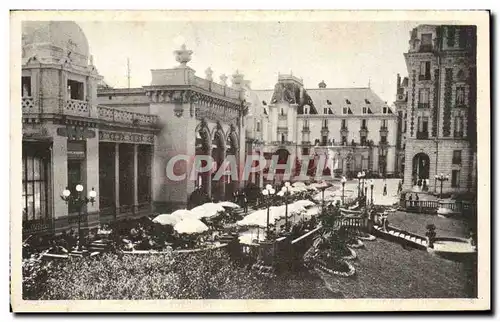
<point x="116" y="141"/>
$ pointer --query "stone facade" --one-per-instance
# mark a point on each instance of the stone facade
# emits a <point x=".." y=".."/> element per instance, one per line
<point x="441" y="106"/>
<point x="352" y="123"/>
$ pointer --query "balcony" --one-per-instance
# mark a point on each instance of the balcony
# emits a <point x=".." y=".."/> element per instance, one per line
<point x="422" y="135"/>
<point x="425" y="48"/>
<point x="126" y="117"/>
<point x="28" y="105"/>
<point x="76" y="108"/>
<point x="424" y="77"/>
<point x="423" y="105"/>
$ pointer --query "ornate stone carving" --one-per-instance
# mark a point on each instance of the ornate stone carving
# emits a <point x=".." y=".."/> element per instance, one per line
<point x="126" y="137"/>
<point x="183" y="55"/>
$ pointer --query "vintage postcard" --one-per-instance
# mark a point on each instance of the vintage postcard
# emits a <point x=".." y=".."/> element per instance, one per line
<point x="250" y="161"/>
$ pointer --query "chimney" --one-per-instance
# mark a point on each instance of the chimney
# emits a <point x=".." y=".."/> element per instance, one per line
<point x="322" y="84"/>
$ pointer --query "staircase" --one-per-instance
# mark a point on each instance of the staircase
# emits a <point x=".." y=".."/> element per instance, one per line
<point x="403" y="237"/>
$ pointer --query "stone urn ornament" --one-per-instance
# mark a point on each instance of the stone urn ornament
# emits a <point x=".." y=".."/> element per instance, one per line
<point x="183" y="55"/>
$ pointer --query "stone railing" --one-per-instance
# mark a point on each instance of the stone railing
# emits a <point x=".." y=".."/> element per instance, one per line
<point x="76" y="107"/>
<point x="28" y="104"/>
<point x="121" y="116"/>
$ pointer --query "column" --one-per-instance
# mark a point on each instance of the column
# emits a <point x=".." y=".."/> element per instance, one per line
<point x="117" y="178"/>
<point x="91" y="179"/>
<point x="209" y="177"/>
<point x="59" y="171"/>
<point x="136" y="174"/>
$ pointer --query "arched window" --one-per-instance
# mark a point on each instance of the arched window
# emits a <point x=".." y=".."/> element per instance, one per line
<point x="306" y="109"/>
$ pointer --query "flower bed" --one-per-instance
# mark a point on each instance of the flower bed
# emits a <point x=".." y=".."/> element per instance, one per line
<point x="341" y="268"/>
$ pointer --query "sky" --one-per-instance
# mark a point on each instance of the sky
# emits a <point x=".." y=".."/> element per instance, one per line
<point x="343" y="54"/>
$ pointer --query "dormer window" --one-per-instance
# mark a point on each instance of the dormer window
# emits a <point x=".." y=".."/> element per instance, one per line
<point x="328" y="102"/>
<point x="325" y="110"/>
<point x="26" y="86"/>
<point x="367" y="101"/>
<point x="264" y="103"/>
<point x="347" y="101"/>
<point x="384" y="110"/>
<point x="365" y="110"/>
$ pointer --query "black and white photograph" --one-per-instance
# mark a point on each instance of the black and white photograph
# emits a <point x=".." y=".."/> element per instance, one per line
<point x="276" y="158"/>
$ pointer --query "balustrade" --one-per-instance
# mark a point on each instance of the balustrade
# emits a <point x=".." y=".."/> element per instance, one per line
<point x="76" y="107"/>
<point x="28" y="105"/>
<point x="121" y="116"/>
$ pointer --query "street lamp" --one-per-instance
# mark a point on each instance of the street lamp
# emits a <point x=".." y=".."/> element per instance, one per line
<point x="323" y="187"/>
<point x="79" y="201"/>
<point x="286" y="192"/>
<point x="343" y="180"/>
<point x="363" y="175"/>
<point x="268" y="192"/>
<point x="441" y="178"/>
<point x="371" y="186"/>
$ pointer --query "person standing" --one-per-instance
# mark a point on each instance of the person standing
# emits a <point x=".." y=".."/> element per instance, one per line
<point x="410" y="198"/>
<point x="385" y="188"/>
<point x="400" y="187"/>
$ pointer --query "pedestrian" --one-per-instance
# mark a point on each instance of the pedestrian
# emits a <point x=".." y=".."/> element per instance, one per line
<point x="400" y="187"/>
<point x="245" y="202"/>
<point x="410" y="198"/>
<point x="385" y="188"/>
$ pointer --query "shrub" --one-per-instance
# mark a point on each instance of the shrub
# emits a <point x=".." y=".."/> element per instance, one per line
<point x="205" y="275"/>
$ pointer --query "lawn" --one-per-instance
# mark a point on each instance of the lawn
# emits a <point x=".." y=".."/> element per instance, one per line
<point x="416" y="223"/>
<point x="387" y="270"/>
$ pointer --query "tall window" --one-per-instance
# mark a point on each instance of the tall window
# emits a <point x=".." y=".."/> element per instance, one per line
<point x="460" y="96"/>
<point x="344" y="125"/>
<point x="282" y="112"/>
<point x="258" y="126"/>
<point x="35" y="179"/>
<point x="306" y="109"/>
<point x="325" y="124"/>
<point x="457" y="157"/>
<point x="364" y="110"/>
<point x="423" y="98"/>
<point x="325" y="110"/>
<point x="282" y="138"/>
<point x="455" y="178"/>
<point x="324" y="139"/>
<point x="75" y="90"/>
<point x="26" y="86"/>
<point x="306" y="124"/>
<point x="344" y="110"/>
<point x="305" y="151"/>
<point x="425" y="70"/>
<point x="459" y="126"/>
<point x="363" y="124"/>
<point x="451" y="37"/>
<point x="384" y="124"/>
<point x="344" y="140"/>
<point x="423" y="127"/>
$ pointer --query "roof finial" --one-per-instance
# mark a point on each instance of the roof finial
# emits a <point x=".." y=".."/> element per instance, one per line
<point x="369" y="82"/>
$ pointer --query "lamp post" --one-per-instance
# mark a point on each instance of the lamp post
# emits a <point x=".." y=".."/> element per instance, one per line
<point x="359" y="184"/>
<point x="441" y="178"/>
<point x="79" y="201"/>
<point x="371" y="186"/>
<point x="286" y="192"/>
<point x="268" y="192"/>
<point x="323" y="188"/>
<point x="363" y="176"/>
<point x="343" y="180"/>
